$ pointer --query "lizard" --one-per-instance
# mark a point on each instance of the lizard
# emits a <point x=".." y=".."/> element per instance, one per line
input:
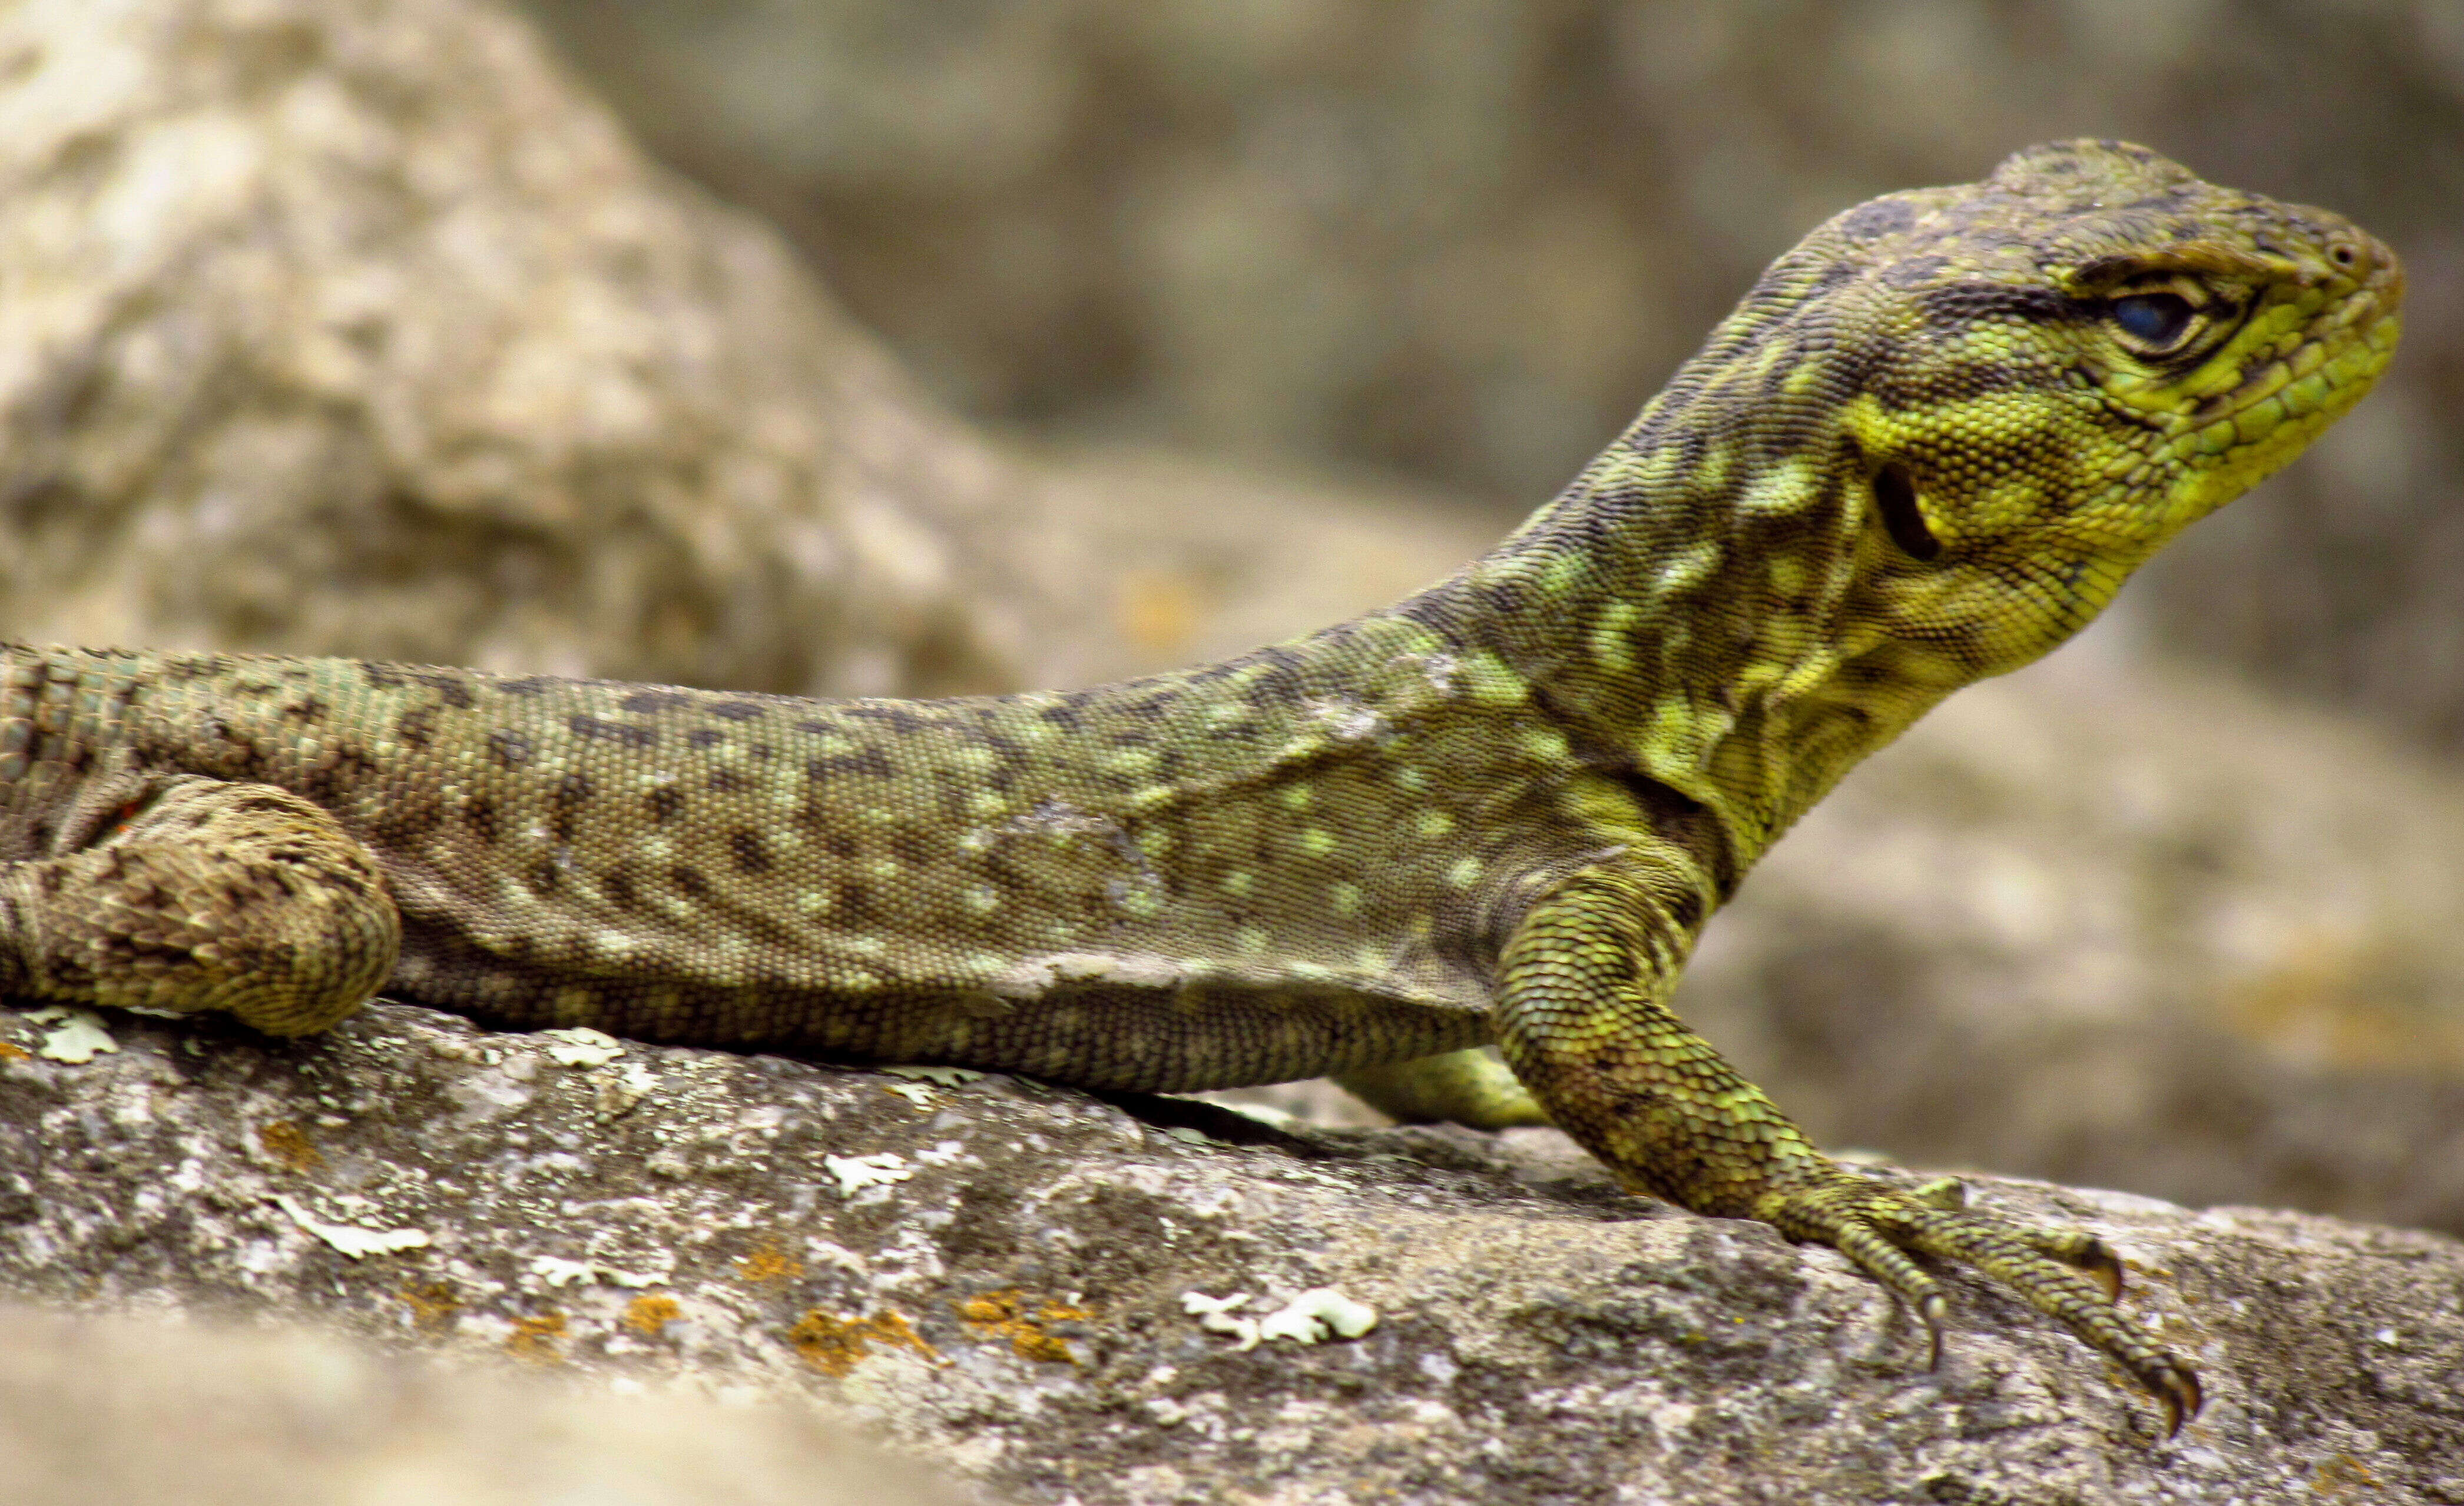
<point x="1454" y="851"/>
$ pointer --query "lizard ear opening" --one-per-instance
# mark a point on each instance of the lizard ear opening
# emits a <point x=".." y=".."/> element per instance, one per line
<point x="1896" y="496"/>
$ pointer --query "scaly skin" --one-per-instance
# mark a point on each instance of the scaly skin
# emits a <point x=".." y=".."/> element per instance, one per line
<point x="1930" y="446"/>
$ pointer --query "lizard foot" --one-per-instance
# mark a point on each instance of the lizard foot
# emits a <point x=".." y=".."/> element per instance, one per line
<point x="2069" y="1275"/>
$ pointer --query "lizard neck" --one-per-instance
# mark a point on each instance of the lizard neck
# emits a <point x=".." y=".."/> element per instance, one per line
<point x="1698" y="609"/>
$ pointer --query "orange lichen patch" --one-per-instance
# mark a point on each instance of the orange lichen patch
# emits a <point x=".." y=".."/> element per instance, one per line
<point x="289" y="1144"/>
<point x="832" y="1345"/>
<point x="894" y="1329"/>
<point x="649" y="1314"/>
<point x="769" y="1263"/>
<point x="2340" y="1473"/>
<point x="9" y="1052"/>
<point x="535" y="1338"/>
<point x="1005" y="1314"/>
<point x="430" y="1305"/>
<point x="829" y="1344"/>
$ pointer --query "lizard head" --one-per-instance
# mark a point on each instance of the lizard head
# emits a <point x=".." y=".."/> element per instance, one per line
<point x="2041" y="379"/>
<point x="1929" y="446"/>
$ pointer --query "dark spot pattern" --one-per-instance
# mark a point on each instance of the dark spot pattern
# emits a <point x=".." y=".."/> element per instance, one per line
<point x="870" y="761"/>
<point x="1877" y="219"/>
<point x="625" y="732"/>
<point x="646" y="703"/>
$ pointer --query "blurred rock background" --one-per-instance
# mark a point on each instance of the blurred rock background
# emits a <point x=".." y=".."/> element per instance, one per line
<point x="1463" y="239"/>
<point x="161" y="1413"/>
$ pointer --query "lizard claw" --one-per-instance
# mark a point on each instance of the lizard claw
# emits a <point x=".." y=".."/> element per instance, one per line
<point x="2069" y="1275"/>
<point x="2178" y="1389"/>
<point x="2105" y="1267"/>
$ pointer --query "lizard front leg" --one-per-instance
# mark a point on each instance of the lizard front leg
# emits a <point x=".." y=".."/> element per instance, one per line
<point x="1583" y="1018"/>
<point x="199" y="894"/>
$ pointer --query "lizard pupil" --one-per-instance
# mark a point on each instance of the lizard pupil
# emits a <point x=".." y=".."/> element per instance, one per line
<point x="2155" y="320"/>
<point x="1902" y="518"/>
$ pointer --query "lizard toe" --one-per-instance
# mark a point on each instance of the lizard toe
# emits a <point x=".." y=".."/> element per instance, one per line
<point x="2067" y="1274"/>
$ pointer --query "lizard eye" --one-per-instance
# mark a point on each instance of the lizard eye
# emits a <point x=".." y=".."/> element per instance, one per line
<point x="2153" y="321"/>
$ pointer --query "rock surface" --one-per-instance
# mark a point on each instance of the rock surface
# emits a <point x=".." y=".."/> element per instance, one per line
<point x="996" y="1275"/>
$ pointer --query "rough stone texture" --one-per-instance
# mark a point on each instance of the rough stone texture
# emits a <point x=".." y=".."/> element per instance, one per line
<point x="1012" y="1309"/>
<point x="1469" y="240"/>
<point x="140" y="1412"/>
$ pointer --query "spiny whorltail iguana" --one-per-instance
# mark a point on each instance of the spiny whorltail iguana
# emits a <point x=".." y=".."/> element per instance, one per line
<point x="1929" y="446"/>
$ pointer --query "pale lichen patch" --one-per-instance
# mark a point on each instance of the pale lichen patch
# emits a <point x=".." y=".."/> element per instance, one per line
<point x="554" y="1271"/>
<point x="351" y="1239"/>
<point x="855" y="1173"/>
<point x="581" y="1046"/>
<point x="75" y="1037"/>
<point x="1314" y="1316"/>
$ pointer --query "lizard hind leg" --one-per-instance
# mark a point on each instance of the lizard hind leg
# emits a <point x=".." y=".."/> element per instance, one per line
<point x="205" y="894"/>
<point x="1470" y="1087"/>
